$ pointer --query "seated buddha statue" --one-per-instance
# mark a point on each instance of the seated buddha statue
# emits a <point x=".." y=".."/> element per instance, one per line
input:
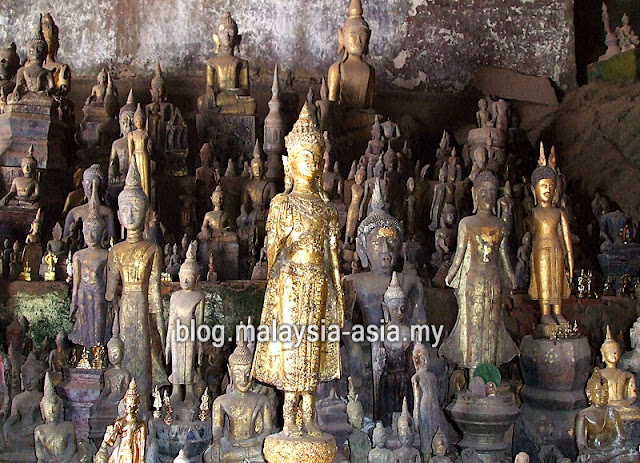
<point x="227" y="90"/>
<point x="9" y="64"/>
<point x="24" y="191"/>
<point x="33" y="78"/>
<point x="599" y="430"/>
<point x="258" y="192"/>
<point x="351" y="80"/>
<point x="622" y="384"/>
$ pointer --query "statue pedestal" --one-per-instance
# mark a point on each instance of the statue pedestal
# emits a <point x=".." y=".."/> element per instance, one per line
<point x="193" y="436"/>
<point x="621" y="259"/>
<point x="555" y="373"/>
<point x="484" y="422"/>
<point x="279" y="448"/>
<point x="32" y="121"/>
<point x="480" y="138"/>
<point x="79" y="389"/>
<point x="228" y="134"/>
<point x="623" y="68"/>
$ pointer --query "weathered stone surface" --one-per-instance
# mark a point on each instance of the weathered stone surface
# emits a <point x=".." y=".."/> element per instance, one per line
<point x="512" y="85"/>
<point x="416" y="44"/>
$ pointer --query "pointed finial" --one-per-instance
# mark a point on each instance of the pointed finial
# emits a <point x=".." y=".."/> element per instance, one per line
<point x="394" y="292"/>
<point x="130" y="100"/>
<point x="133" y="180"/>
<point x="158" y="69"/>
<point x="132" y="392"/>
<point x="257" y="150"/>
<point x="324" y="89"/>
<point x="542" y="160"/>
<point x="551" y="162"/>
<point x="355" y="9"/>
<point x="305" y="134"/>
<point x="377" y="201"/>
<point x="30" y="155"/>
<point x="275" y="88"/>
<point x="609" y="337"/>
<point x="115" y="329"/>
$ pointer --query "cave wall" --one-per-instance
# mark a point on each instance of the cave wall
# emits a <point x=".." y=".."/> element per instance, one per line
<point x="431" y="45"/>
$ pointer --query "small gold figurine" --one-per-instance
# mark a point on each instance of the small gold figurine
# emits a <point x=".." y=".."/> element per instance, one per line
<point x="168" y="409"/>
<point x="157" y="403"/>
<point x="51" y="260"/>
<point x="84" y="363"/>
<point x="204" y="405"/>
<point x="622" y="384"/>
<point x="98" y="357"/>
<point x="25" y="275"/>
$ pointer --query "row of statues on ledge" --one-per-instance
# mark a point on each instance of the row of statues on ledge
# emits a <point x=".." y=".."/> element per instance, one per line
<point x="622" y="39"/>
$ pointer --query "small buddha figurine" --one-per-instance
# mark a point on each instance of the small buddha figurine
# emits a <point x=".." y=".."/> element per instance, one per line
<point x="599" y="428"/>
<point x="376" y="145"/>
<point x="627" y="38"/>
<point x="119" y="157"/>
<point x="258" y="191"/>
<point x="445" y="236"/>
<point x="324" y="109"/>
<point x="351" y="80"/>
<point x="24" y="191"/>
<point x="171" y="131"/>
<point x="377" y="182"/>
<point x="61" y="71"/>
<point x="358" y="440"/>
<point x="227" y="88"/>
<point x="92" y="176"/>
<point x="216" y="221"/>
<point x="99" y="90"/>
<point x="9" y="64"/>
<point x="354" y="213"/>
<point x="439" y="447"/>
<point x="410" y="201"/>
<point x="88" y="303"/>
<point x="55" y="440"/>
<point x="33" y="77"/>
<point x="622" y="384"/>
<point x="332" y="181"/>
<point x="140" y="148"/>
<point x="551" y="245"/>
<point x="25" y="415"/>
<point x="483" y="116"/>
<point x="248" y="413"/>
<point x="58" y="358"/>
<point x="76" y="197"/>
<point x="379" y="453"/>
<point x="206" y="180"/>
<point x="523" y="264"/>
<point x="501" y="111"/>
<point x="128" y="435"/>
<point x="476" y="273"/>
<point x="138" y="264"/>
<point x="407" y="453"/>
<point x="438" y="201"/>
<point x="231" y="169"/>
<point x="186" y="305"/>
<point x="116" y="378"/>
<point x="506" y="208"/>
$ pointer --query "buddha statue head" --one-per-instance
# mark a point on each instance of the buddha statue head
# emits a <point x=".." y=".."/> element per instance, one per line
<point x="257" y="164"/>
<point x="376" y="128"/>
<point x="411" y="185"/>
<point x="217" y="198"/>
<point x="394" y="302"/>
<point x="126" y="115"/>
<point x="139" y="118"/>
<point x="9" y="62"/>
<point x="50" y="33"/>
<point x="92" y="173"/>
<point x="545" y="178"/>
<point x="157" y="85"/>
<point x="51" y="406"/>
<point x="206" y="154"/>
<point x="361" y="175"/>
<point x="597" y="389"/>
<point x="94" y="227"/>
<point x="226" y="36"/>
<point x="115" y="346"/>
<point x="420" y="356"/>
<point x="29" y="164"/>
<point x="37" y="46"/>
<point x="240" y="367"/>
<point x="189" y="270"/>
<point x="448" y="216"/>
<point x="405" y="427"/>
<point x="439" y="443"/>
<point x="132" y="398"/>
<point x="32" y="373"/>
<point x="305" y="146"/>
<point x="379" y="435"/>
<point x="610" y="350"/>
<point x="485" y="192"/>
<point x="354" y="35"/>
<point x="379" y="238"/>
<point x="101" y="79"/>
<point x="132" y="201"/>
<point x="522" y="457"/>
<point x="355" y="411"/>
<point x="507" y="189"/>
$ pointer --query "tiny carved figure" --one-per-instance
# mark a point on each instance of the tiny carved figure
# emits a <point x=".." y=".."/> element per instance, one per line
<point x="622" y="384"/>
<point x="380" y="453"/>
<point x="439" y="447"/>
<point x="407" y="453"/>
<point x="25" y="190"/>
<point x="483" y="116"/>
<point x="627" y="38"/>
<point x="358" y="441"/>
<point x="523" y="264"/>
<point x="354" y="214"/>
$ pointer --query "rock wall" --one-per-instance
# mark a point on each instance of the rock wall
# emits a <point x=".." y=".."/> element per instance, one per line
<point x="430" y="45"/>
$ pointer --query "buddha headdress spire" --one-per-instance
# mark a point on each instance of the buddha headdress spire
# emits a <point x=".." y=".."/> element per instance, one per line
<point x="305" y="135"/>
<point x="132" y="396"/>
<point x="37" y="38"/>
<point x="394" y="292"/>
<point x="546" y="167"/>
<point x="133" y="185"/>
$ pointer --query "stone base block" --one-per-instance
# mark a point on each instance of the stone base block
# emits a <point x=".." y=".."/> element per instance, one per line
<point x="279" y="448"/>
<point x="79" y="389"/>
<point x="229" y="135"/>
<point x="623" y="68"/>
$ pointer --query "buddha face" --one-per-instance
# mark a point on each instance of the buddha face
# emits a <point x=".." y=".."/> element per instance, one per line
<point x="138" y="121"/>
<point x="439" y="448"/>
<point x="257" y="168"/>
<point x="419" y="359"/>
<point x="125" y="124"/>
<point x="187" y="279"/>
<point x="131" y="405"/>
<point x="51" y="411"/>
<point x="92" y="233"/>
<point x="545" y="189"/>
<point x="356" y="40"/>
<point x="304" y="165"/>
<point x="28" y="167"/>
<point x="227" y="34"/>
<point x="361" y="176"/>
<point x="383" y="248"/>
<point x="411" y="185"/>
<point x="47" y="27"/>
<point x="87" y="184"/>
<point x="37" y="50"/>
<point x="450" y="217"/>
<point x="395" y="308"/>
<point x="132" y="214"/>
<point x="241" y="377"/>
<point x="6" y="64"/>
<point x="404" y="435"/>
<point x="356" y="417"/>
<point x="485" y="195"/>
<point x="30" y="380"/>
<point x="600" y="394"/>
<point x="379" y="437"/>
<point x="115" y="353"/>
<point x="611" y="353"/>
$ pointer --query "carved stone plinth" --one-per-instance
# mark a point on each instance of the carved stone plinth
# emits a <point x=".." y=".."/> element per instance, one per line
<point x="555" y="373"/>
<point x="484" y="422"/>
<point x="279" y="448"/>
<point x="79" y="389"/>
<point x="229" y="135"/>
<point x="193" y="436"/>
<point x="480" y="138"/>
<point x="32" y="121"/>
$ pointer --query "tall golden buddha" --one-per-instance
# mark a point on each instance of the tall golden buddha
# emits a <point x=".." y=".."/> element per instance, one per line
<point x="304" y="286"/>
<point x="351" y="80"/>
<point x="227" y="89"/>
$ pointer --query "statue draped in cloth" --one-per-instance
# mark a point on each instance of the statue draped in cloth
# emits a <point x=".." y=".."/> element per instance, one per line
<point x="304" y="287"/>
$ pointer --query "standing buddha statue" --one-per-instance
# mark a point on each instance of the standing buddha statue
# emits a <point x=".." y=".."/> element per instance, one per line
<point x="227" y="90"/>
<point x="61" y="72"/>
<point x="137" y="263"/>
<point x="351" y="80"/>
<point x="140" y="148"/>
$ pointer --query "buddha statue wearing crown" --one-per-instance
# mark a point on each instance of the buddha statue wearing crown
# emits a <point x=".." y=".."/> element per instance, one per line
<point x="33" y="77"/>
<point x="227" y="90"/>
<point x="137" y="263"/>
<point x="304" y="286"/>
<point x="24" y="191"/>
<point x="248" y="413"/>
<point x="351" y="80"/>
<point x="128" y="435"/>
